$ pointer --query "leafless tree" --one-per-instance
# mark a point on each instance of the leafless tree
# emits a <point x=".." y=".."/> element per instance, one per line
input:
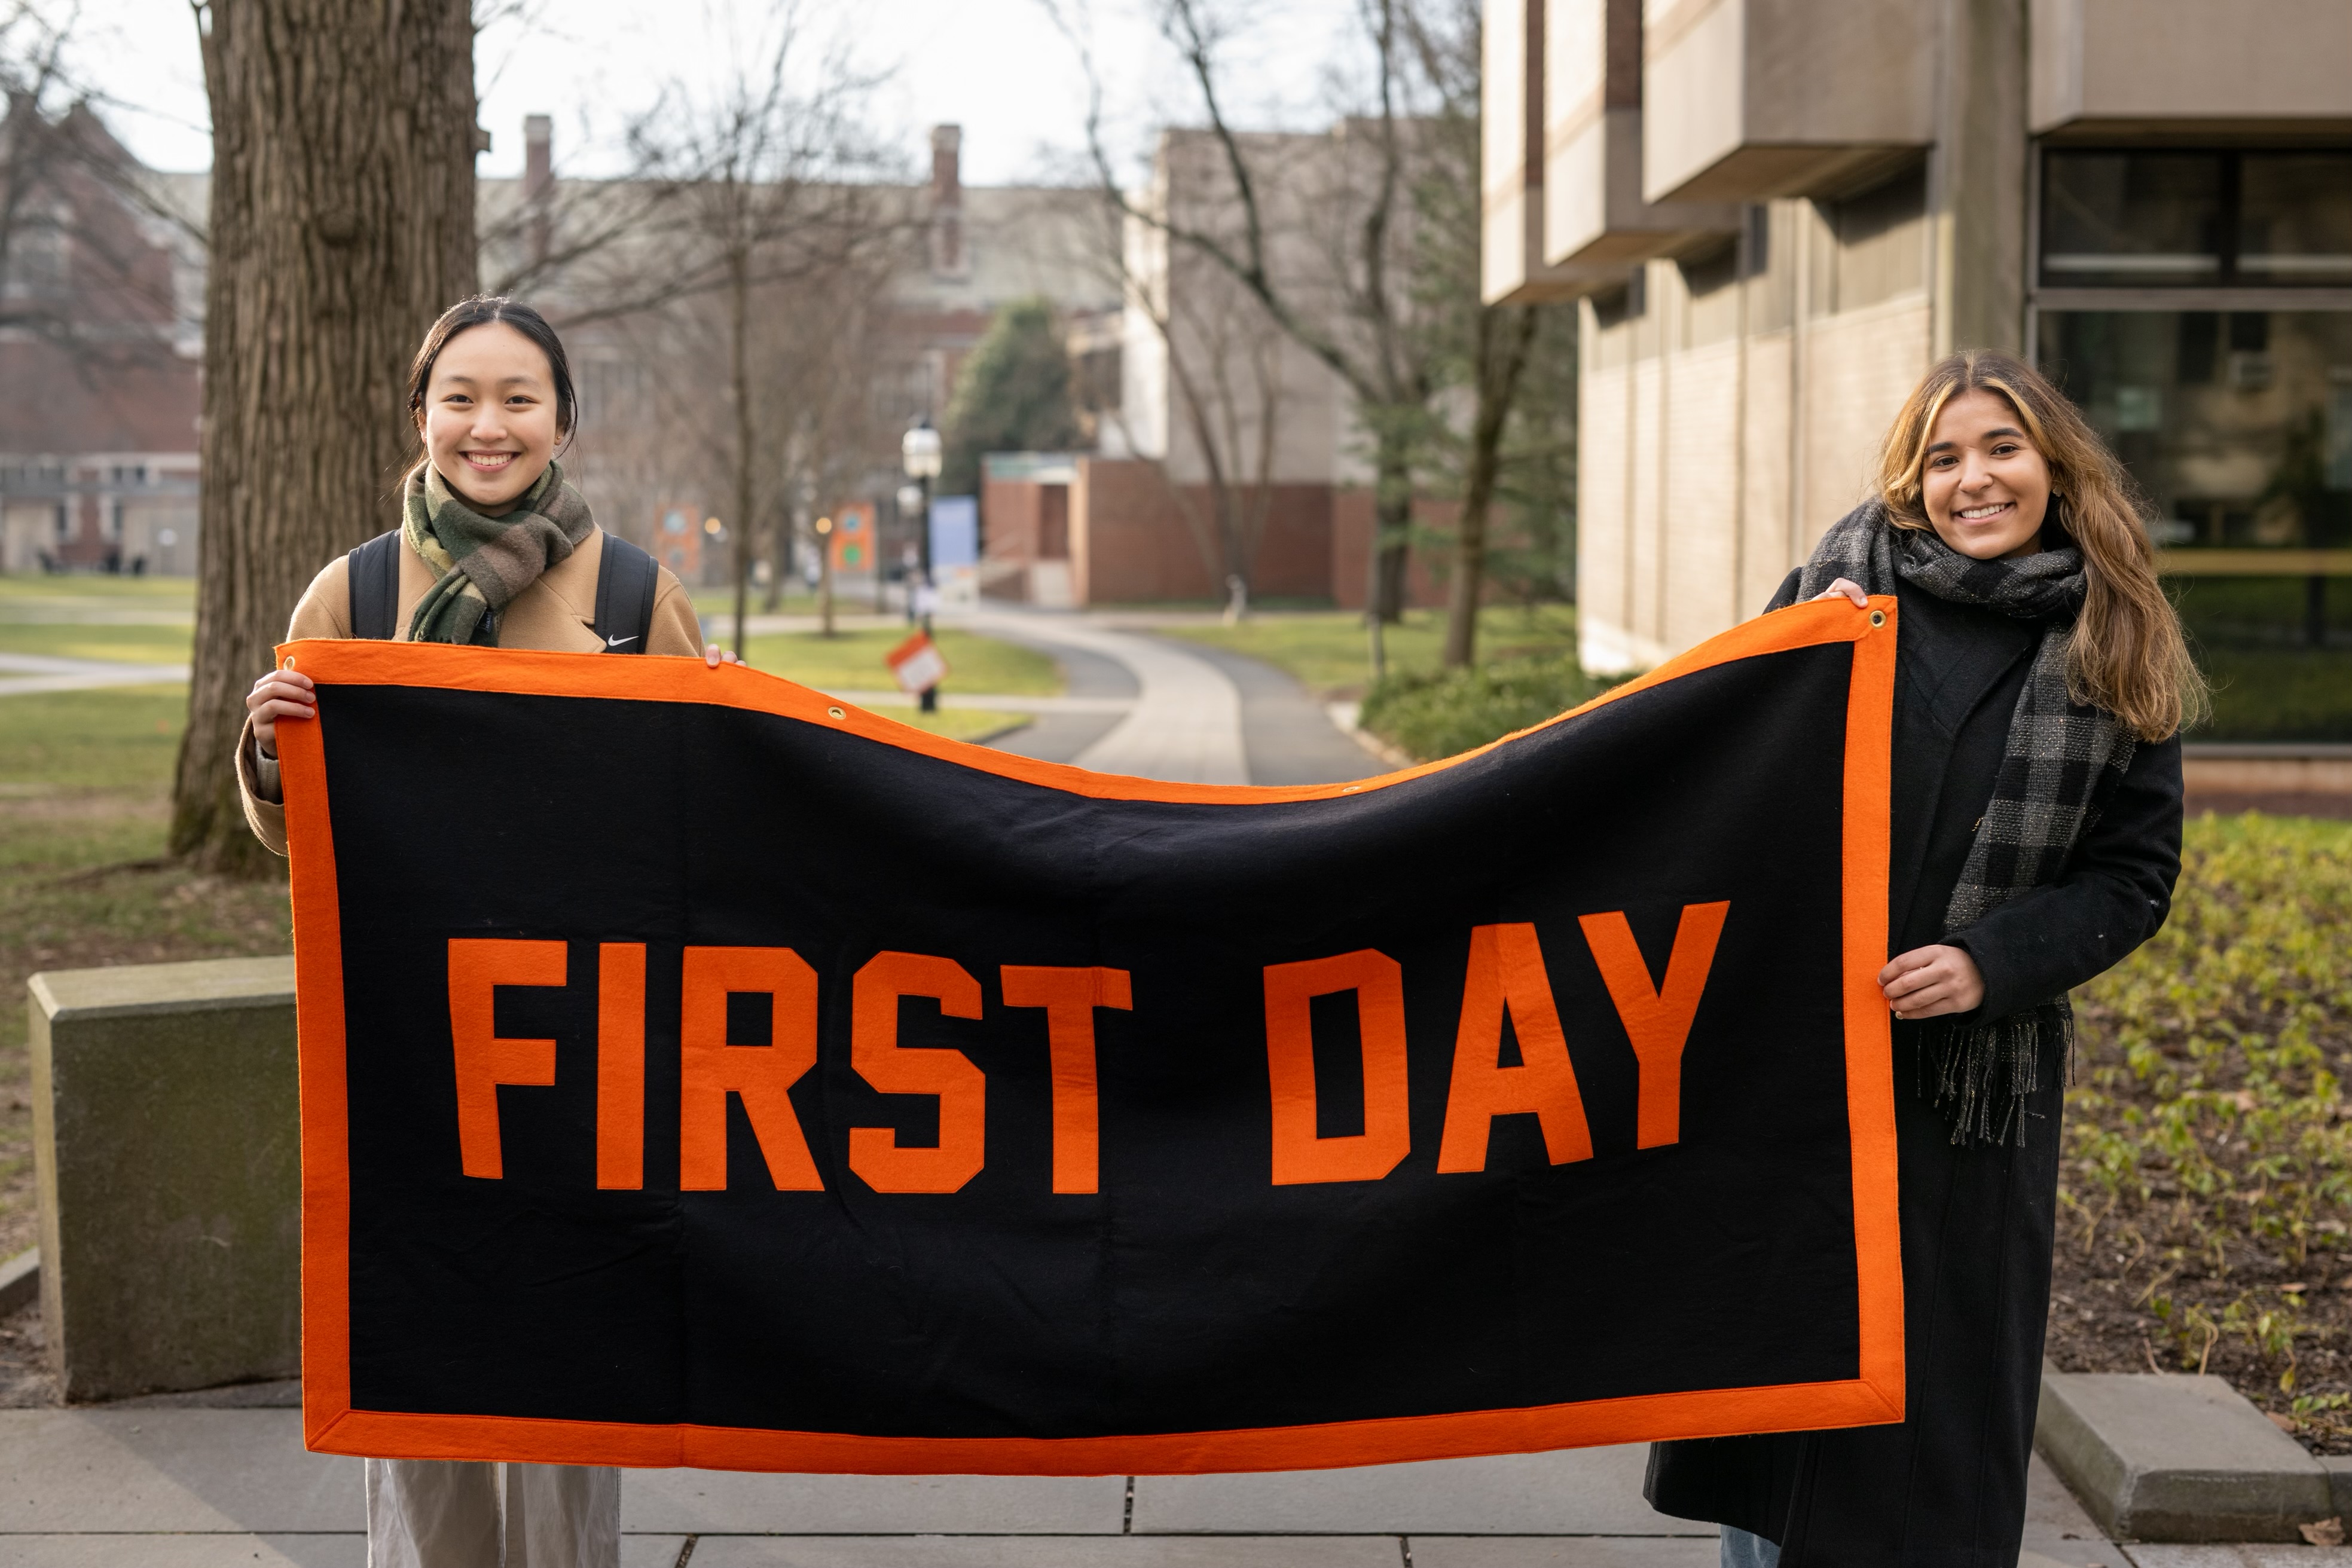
<point x="1226" y="369"/>
<point x="773" y="199"/>
<point x="1482" y="347"/>
<point x="85" y="267"/>
<point x="331" y="253"/>
<point x="1358" y="319"/>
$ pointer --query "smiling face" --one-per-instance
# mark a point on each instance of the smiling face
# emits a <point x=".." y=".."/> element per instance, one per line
<point x="489" y="420"/>
<point x="1986" y="488"/>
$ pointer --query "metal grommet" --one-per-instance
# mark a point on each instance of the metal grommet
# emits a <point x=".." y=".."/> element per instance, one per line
<point x="835" y="712"/>
<point x="1878" y="618"/>
<point x="288" y="664"/>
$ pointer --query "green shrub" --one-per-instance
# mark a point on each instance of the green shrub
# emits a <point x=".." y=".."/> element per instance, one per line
<point x="1441" y="713"/>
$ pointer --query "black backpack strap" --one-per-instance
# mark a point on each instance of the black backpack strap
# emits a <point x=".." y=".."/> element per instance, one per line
<point x="375" y="587"/>
<point x="626" y="581"/>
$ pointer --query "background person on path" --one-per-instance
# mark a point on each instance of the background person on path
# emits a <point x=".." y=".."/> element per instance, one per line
<point x="2042" y="681"/>
<point x="496" y="551"/>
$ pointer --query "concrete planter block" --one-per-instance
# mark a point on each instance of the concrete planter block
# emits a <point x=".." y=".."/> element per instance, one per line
<point x="2339" y="1483"/>
<point x="167" y="1149"/>
<point x="2176" y="1459"/>
<point x="20" y="1281"/>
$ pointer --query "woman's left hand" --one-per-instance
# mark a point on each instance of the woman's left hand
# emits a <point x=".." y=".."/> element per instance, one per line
<point x="714" y="656"/>
<point x="1927" y="982"/>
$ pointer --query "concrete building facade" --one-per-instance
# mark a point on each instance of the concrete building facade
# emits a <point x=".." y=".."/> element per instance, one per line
<point x="1778" y="213"/>
<point x="1224" y="448"/>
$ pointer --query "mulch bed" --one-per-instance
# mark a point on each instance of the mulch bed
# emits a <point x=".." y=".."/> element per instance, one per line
<point x="2206" y="1185"/>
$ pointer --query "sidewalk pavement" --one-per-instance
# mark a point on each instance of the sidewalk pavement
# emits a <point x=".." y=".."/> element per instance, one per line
<point x="1198" y="715"/>
<point x="40" y="673"/>
<point x="142" y="1486"/>
<point x="1186" y="721"/>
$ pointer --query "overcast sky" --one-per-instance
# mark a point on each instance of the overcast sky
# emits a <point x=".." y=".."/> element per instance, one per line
<point x="999" y="67"/>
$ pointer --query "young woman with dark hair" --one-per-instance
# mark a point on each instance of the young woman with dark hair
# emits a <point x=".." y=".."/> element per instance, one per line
<point x="494" y="550"/>
<point x="2042" y="685"/>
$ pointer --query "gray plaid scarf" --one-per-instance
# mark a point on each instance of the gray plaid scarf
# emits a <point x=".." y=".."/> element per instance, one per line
<point x="485" y="561"/>
<point x="2062" y="759"/>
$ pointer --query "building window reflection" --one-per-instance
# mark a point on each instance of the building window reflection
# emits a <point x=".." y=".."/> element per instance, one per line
<point x="2195" y="305"/>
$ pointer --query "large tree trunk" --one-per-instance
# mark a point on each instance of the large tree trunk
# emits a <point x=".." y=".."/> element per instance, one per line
<point x="1505" y="335"/>
<point x="342" y="223"/>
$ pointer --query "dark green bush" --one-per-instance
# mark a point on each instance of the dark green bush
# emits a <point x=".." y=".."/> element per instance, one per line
<point x="1441" y="713"/>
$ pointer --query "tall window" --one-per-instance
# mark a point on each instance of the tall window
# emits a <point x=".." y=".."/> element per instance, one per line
<point x="2198" y="306"/>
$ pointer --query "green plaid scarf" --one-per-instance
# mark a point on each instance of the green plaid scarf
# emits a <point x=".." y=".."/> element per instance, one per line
<point x="485" y="561"/>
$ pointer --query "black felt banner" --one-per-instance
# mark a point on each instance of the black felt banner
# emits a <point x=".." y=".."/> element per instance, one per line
<point x="697" y="1070"/>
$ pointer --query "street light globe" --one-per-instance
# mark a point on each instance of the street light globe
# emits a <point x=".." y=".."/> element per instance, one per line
<point x="824" y="526"/>
<point x="712" y="526"/>
<point x="920" y="449"/>
<point x="910" y="500"/>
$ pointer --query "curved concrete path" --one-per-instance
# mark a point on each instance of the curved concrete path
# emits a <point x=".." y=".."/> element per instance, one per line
<point x="1186" y="723"/>
<point x="21" y="672"/>
<point x="1198" y="715"/>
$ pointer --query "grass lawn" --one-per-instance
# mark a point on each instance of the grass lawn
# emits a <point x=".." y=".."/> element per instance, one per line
<point x="126" y="620"/>
<point x="119" y="645"/>
<point x="1327" y="650"/>
<point x="84" y="777"/>
<point x="852" y="662"/>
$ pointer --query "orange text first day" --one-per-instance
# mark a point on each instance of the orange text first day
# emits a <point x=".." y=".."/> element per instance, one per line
<point x="1505" y="973"/>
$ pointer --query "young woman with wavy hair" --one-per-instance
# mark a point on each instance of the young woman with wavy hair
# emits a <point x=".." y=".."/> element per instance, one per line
<point x="2042" y="685"/>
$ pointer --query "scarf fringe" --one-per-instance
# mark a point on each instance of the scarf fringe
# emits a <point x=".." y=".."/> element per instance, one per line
<point x="1983" y="1073"/>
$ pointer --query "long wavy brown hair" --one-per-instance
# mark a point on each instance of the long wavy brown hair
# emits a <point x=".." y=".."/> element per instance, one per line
<point x="2127" y="654"/>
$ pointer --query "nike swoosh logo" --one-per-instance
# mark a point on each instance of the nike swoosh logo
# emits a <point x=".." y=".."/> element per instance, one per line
<point x="617" y="642"/>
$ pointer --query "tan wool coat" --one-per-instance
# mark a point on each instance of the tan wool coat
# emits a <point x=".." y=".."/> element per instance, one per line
<point x="555" y="614"/>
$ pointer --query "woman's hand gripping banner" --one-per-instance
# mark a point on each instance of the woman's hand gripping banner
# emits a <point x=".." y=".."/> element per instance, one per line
<point x="697" y="1070"/>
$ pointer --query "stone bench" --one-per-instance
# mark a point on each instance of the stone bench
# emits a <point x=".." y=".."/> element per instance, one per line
<point x="167" y="1148"/>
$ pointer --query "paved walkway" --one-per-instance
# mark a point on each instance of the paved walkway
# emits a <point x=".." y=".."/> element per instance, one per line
<point x="23" y="672"/>
<point x="142" y="1486"/>
<point x="1191" y="713"/>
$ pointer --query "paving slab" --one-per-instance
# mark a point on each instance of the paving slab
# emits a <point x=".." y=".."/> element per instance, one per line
<point x="106" y="1471"/>
<point x="1048" y="1551"/>
<point x="2259" y="1554"/>
<point x="734" y="1502"/>
<point x="2058" y="1534"/>
<point x="1566" y="1550"/>
<point x="1574" y="1491"/>
<point x="228" y="1551"/>
<point x="2176" y="1459"/>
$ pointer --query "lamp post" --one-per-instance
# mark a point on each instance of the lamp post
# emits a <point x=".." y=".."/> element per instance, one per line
<point x="919" y="450"/>
<point x="823" y="528"/>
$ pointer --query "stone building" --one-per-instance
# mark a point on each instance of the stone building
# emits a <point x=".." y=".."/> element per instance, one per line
<point x="1224" y="448"/>
<point x="98" y="360"/>
<point x="1778" y="213"/>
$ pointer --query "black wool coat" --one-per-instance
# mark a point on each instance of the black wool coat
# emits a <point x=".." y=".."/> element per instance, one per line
<point x="1944" y="1488"/>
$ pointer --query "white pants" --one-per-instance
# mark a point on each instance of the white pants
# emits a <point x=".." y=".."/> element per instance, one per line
<point x="447" y="1513"/>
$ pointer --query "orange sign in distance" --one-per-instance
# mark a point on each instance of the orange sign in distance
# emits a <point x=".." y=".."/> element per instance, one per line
<point x="917" y="663"/>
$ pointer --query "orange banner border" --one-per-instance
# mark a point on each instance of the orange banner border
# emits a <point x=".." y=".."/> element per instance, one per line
<point x="330" y="1424"/>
